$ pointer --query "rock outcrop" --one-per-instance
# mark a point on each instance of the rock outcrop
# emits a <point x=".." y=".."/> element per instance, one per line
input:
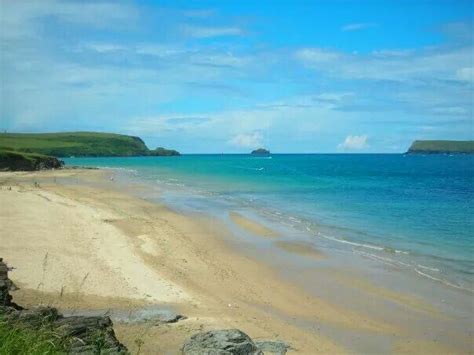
<point x="222" y="342"/>
<point x="6" y="285"/>
<point x="273" y="347"/>
<point x="231" y="342"/>
<point x="76" y="334"/>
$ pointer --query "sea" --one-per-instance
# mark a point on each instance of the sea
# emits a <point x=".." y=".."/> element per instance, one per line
<point x="414" y="213"/>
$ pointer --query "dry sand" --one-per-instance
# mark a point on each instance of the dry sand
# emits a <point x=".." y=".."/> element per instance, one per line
<point x="79" y="246"/>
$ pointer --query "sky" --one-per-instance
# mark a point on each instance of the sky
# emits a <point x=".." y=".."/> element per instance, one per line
<point x="231" y="76"/>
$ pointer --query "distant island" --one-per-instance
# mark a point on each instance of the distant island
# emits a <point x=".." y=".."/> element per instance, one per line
<point x="35" y="151"/>
<point x="260" y="151"/>
<point x="441" y="147"/>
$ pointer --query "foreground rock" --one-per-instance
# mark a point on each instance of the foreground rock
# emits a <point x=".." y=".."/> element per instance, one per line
<point x="221" y="342"/>
<point x="273" y="347"/>
<point x="6" y="285"/>
<point x="231" y="342"/>
<point x="75" y="334"/>
<point x="153" y="315"/>
<point x="78" y="334"/>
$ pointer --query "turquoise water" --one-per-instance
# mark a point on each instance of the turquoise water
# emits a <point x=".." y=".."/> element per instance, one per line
<point x="411" y="212"/>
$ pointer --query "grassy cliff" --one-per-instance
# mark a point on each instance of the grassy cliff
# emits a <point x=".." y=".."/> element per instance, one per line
<point x="74" y="144"/>
<point x="441" y="146"/>
<point x="79" y="144"/>
<point x="19" y="161"/>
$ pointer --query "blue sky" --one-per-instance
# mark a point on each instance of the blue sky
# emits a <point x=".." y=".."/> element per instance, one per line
<point x="230" y="76"/>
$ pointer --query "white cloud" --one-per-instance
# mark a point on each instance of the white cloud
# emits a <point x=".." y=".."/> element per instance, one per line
<point x="220" y="59"/>
<point x="103" y="47"/>
<point x="465" y="74"/>
<point x="208" y="32"/>
<point x="316" y="55"/>
<point x="354" y="143"/>
<point x="429" y="64"/>
<point x="18" y="18"/>
<point x="158" y="50"/>
<point x="358" y="26"/>
<point x="247" y="140"/>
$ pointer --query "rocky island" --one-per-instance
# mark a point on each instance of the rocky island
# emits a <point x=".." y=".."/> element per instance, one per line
<point x="260" y="151"/>
<point x="441" y="147"/>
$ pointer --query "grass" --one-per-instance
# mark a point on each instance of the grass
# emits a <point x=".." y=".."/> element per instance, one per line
<point x="74" y="144"/>
<point x="442" y="146"/>
<point x="21" y="340"/>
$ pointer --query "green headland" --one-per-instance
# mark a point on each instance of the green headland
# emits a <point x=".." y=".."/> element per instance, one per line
<point x="79" y="144"/>
<point x="35" y="151"/>
<point x="441" y="147"/>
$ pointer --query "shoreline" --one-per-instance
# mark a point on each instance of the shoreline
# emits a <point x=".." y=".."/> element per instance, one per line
<point x="149" y="254"/>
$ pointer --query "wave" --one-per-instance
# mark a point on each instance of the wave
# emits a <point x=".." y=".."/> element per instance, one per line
<point x="447" y="283"/>
<point x="343" y="241"/>
<point x="128" y="170"/>
<point x="428" y="268"/>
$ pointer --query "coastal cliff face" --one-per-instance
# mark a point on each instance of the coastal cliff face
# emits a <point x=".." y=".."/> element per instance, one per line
<point x="441" y="147"/>
<point x="16" y="161"/>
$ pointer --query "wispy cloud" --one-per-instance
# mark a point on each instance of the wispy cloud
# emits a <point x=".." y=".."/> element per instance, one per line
<point x="247" y="140"/>
<point x="354" y="143"/>
<point x="358" y="26"/>
<point x="208" y="32"/>
<point x="19" y="18"/>
<point x="428" y="64"/>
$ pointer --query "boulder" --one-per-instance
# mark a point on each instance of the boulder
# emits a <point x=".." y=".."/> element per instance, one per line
<point x="273" y="347"/>
<point x="6" y="285"/>
<point x="221" y="342"/>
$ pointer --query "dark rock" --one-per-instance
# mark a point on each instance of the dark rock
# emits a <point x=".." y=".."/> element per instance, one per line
<point x="78" y="334"/>
<point x="154" y="315"/>
<point x="221" y="342"/>
<point x="274" y="347"/>
<point x="260" y="151"/>
<point x="89" y="333"/>
<point x="20" y="161"/>
<point x="32" y="318"/>
<point x="6" y="285"/>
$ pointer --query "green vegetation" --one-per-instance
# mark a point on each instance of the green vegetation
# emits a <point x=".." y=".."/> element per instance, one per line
<point x="74" y="144"/>
<point x="441" y="146"/>
<point x="11" y="160"/>
<point x="79" y="144"/>
<point x="160" y="151"/>
<point x="22" y="340"/>
<point x="260" y="151"/>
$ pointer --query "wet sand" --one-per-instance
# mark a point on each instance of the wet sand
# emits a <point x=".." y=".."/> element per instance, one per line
<point x="78" y="241"/>
<point x="251" y="226"/>
<point x="300" y="248"/>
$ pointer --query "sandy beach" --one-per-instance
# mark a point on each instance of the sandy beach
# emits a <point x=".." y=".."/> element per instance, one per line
<point x="80" y="242"/>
